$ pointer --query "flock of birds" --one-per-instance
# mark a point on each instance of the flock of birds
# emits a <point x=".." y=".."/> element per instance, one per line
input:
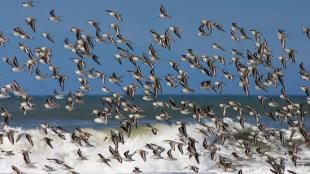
<point x="248" y="66"/>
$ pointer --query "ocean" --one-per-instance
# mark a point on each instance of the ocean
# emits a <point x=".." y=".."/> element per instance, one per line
<point x="66" y="150"/>
<point x="81" y="115"/>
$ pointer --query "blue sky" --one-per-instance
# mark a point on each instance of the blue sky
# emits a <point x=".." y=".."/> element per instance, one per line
<point x="139" y="17"/>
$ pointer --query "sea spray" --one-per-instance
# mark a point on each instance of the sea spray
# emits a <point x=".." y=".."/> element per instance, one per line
<point x="66" y="150"/>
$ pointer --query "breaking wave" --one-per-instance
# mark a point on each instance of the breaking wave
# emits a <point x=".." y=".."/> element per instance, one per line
<point x="66" y="151"/>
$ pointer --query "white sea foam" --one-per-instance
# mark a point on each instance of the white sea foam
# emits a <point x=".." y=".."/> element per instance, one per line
<point x="67" y="151"/>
